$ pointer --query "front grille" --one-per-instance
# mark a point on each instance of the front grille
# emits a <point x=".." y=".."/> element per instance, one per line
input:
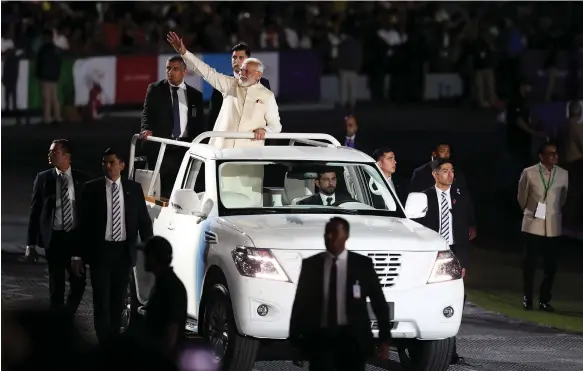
<point x="387" y="266"/>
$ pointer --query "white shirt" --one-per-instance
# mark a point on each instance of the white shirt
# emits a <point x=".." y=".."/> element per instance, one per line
<point x="58" y="219"/>
<point x="108" y="197"/>
<point x="182" y="107"/>
<point x="450" y="240"/>
<point x="341" y="269"/>
<point x="326" y="197"/>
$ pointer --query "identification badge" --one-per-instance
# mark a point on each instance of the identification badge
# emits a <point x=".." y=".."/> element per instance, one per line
<point x="541" y="211"/>
<point x="356" y="290"/>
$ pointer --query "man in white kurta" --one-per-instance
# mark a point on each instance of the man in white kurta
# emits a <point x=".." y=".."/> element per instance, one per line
<point x="247" y="107"/>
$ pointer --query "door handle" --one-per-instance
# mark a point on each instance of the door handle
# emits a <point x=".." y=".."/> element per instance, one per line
<point x="170" y="226"/>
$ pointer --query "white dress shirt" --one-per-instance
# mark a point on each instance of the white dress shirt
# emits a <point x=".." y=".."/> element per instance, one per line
<point x="450" y="240"/>
<point x="58" y="219"/>
<point x="326" y="197"/>
<point x="341" y="270"/>
<point x="182" y="108"/>
<point x="108" y="197"/>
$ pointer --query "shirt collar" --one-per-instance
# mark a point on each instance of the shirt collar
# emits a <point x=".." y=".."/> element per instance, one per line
<point x="447" y="192"/>
<point x="351" y="137"/>
<point x="182" y="85"/>
<point x="324" y="197"/>
<point x="540" y="164"/>
<point x="109" y="182"/>
<point x="235" y="74"/>
<point x="66" y="172"/>
<point x="342" y="256"/>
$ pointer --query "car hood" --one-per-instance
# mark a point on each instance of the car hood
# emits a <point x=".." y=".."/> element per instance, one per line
<point x="306" y="232"/>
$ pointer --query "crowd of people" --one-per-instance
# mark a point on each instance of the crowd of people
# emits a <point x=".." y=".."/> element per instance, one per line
<point x="483" y="42"/>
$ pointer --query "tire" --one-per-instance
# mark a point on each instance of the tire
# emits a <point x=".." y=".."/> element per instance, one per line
<point x="426" y="355"/>
<point x="130" y="309"/>
<point x="236" y="352"/>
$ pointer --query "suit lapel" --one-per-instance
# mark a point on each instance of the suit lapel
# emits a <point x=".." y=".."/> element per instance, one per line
<point x="167" y="94"/>
<point x="127" y="197"/>
<point x="350" y="280"/>
<point x="318" y="280"/>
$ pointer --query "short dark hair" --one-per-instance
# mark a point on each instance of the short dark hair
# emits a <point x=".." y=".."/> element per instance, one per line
<point x="380" y="152"/>
<point x="436" y="164"/>
<point x="64" y="144"/>
<point x="341" y="221"/>
<point x="542" y="148"/>
<point x="325" y="170"/>
<point x="160" y="249"/>
<point x="177" y="58"/>
<point x="113" y="152"/>
<point x="242" y="47"/>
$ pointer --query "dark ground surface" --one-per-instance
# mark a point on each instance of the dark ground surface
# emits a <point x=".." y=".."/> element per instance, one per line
<point x="489" y="341"/>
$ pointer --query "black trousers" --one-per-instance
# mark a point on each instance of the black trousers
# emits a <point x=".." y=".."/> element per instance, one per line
<point x="110" y="272"/>
<point x="170" y="165"/>
<point x="337" y="349"/>
<point x="536" y="247"/>
<point x="59" y="260"/>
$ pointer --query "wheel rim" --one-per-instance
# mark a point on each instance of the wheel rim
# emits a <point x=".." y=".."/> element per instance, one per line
<point x="218" y="330"/>
<point x="126" y="313"/>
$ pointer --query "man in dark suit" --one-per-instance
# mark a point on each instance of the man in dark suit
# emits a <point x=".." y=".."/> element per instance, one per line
<point x="350" y="137"/>
<point x="386" y="160"/>
<point x="239" y="53"/>
<point x="449" y="212"/>
<point x="54" y="226"/>
<point x="327" y="195"/>
<point x="173" y="110"/>
<point x="112" y="213"/>
<point x="423" y="178"/>
<point x="329" y="322"/>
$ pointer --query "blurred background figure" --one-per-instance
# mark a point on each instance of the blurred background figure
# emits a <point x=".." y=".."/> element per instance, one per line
<point x="573" y="149"/>
<point x="48" y="71"/>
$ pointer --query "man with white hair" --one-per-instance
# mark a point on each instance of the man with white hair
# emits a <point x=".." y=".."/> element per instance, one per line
<point x="247" y="105"/>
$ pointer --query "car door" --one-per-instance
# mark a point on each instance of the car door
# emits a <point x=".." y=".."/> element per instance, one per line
<point x="185" y="233"/>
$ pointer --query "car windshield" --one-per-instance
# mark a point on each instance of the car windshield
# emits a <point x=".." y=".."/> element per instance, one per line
<point x="263" y="187"/>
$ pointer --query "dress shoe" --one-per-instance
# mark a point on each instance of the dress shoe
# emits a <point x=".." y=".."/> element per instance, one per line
<point x="527" y="303"/>
<point x="457" y="360"/>
<point x="547" y="307"/>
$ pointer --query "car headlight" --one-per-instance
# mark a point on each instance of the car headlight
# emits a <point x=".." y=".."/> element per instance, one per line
<point x="446" y="268"/>
<point x="258" y="263"/>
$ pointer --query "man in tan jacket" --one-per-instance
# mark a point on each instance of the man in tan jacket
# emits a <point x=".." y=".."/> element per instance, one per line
<point x="248" y="106"/>
<point x="542" y="192"/>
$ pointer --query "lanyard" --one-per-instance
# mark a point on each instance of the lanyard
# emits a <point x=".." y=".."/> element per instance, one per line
<point x="548" y="185"/>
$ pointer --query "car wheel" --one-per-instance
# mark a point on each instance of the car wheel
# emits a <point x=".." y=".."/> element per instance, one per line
<point x="426" y="355"/>
<point x="235" y="352"/>
<point x="130" y="302"/>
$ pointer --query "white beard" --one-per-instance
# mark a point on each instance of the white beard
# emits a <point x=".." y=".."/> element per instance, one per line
<point x="244" y="84"/>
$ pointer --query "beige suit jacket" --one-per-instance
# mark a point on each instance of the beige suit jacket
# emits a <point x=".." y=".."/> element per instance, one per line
<point x="531" y="191"/>
<point x="243" y="109"/>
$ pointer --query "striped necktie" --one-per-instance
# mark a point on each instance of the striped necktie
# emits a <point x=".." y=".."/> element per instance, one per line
<point x="66" y="207"/>
<point x="115" y="213"/>
<point x="444" y="228"/>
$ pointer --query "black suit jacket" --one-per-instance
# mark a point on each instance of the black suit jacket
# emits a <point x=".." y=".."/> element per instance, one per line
<point x="305" y="321"/>
<point x="157" y="112"/>
<point x="216" y="103"/>
<point x="422" y="179"/>
<point x="316" y="199"/>
<point x="461" y="211"/>
<point x="43" y="203"/>
<point x="93" y="212"/>
<point x="359" y="141"/>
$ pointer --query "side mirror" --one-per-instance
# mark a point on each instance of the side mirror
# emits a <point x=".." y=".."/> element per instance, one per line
<point x="185" y="202"/>
<point x="416" y="205"/>
<point x="205" y="210"/>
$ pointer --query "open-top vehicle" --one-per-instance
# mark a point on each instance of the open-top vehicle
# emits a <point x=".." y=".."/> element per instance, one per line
<point x="238" y="250"/>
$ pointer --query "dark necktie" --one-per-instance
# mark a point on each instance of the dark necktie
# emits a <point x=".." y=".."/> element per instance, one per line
<point x="350" y="142"/>
<point x="332" y="298"/>
<point x="115" y="213"/>
<point x="329" y="201"/>
<point x="66" y="206"/>
<point x="175" y="113"/>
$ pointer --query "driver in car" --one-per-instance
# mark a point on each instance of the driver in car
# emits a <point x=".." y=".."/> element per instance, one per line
<point x="326" y="183"/>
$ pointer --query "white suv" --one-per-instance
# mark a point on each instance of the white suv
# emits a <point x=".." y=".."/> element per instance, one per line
<point x="238" y="248"/>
